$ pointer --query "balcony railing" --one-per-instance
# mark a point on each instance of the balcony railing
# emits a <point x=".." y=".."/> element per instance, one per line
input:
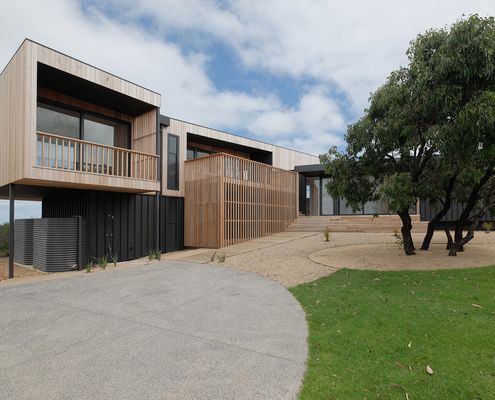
<point x="68" y="154"/>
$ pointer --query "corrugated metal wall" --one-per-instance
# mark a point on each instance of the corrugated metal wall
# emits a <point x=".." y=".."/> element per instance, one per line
<point x="23" y="241"/>
<point x="121" y="224"/>
<point x="428" y="212"/>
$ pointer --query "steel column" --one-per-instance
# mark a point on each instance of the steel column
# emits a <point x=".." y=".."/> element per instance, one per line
<point x="11" y="229"/>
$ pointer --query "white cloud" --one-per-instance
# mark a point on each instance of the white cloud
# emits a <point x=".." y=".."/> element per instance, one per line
<point x="353" y="44"/>
<point x="23" y="209"/>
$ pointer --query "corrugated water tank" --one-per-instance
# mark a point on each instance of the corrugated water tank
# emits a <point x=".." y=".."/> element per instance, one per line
<point x="23" y="241"/>
<point x="60" y="244"/>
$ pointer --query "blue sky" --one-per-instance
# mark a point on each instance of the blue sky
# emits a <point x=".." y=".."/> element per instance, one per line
<point x="289" y="72"/>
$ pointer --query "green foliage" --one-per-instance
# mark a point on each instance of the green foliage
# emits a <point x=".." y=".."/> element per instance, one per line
<point x="212" y="256"/>
<point x="4" y="239"/>
<point x="488" y="226"/>
<point x="102" y="262"/>
<point x="89" y="266"/>
<point x="429" y="130"/>
<point x="372" y="334"/>
<point x="327" y="234"/>
<point x="154" y="254"/>
<point x="221" y="258"/>
<point x="115" y="259"/>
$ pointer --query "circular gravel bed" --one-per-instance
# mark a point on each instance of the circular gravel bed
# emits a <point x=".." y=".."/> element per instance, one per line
<point x="390" y="256"/>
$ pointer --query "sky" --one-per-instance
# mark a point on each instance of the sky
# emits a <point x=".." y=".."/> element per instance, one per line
<point x="289" y="72"/>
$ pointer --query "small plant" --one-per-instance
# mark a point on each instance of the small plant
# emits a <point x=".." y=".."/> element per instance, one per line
<point x="155" y="254"/>
<point x="488" y="226"/>
<point x="115" y="259"/>
<point x="221" y="258"/>
<point x="212" y="257"/>
<point x="102" y="262"/>
<point x="89" y="267"/>
<point x="327" y="234"/>
<point x="399" y="240"/>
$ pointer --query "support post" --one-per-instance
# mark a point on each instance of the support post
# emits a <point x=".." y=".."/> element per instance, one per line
<point x="158" y="219"/>
<point x="11" y="229"/>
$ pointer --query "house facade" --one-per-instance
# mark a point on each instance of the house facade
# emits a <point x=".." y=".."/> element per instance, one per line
<point x="87" y="143"/>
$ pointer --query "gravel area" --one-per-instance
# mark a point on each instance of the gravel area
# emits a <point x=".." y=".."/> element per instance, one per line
<point x="303" y="260"/>
<point x="20" y="272"/>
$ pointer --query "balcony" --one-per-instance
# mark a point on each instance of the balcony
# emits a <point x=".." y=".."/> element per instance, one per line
<point x="74" y="155"/>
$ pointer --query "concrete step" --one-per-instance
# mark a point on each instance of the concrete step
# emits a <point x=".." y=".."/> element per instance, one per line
<point x="353" y="223"/>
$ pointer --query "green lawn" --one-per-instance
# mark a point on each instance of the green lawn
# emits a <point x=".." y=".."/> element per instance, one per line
<point x="372" y="334"/>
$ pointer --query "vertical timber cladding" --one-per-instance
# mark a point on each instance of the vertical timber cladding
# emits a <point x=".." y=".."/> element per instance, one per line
<point x="230" y="200"/>
<point x="120" y="224"/>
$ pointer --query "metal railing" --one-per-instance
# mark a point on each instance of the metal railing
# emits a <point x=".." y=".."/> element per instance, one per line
<point x="68" y="154"/>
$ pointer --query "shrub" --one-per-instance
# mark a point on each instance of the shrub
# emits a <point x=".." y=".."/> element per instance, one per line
<point x="327" y="234"/>
<point x="488" y="226"/>
<point x="102" y="262"/>
<point x="155" y="254"/>
<point x="221" y="258"/>
<point x="89" y="267"/>
<point x="399" y="240"/>
<point x="4" y="239"/>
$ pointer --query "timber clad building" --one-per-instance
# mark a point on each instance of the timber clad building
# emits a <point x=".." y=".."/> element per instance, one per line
<point x="118" y="178"/>
<point x="95" y="149"/>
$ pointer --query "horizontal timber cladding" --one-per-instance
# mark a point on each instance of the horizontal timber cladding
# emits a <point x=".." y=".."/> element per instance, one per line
<point x="229" y="200"/>
<point x="60" y="244"/>
<point x="23" y="241"/>
<point x="121" y="224"/>
<point x="428" y="212"/>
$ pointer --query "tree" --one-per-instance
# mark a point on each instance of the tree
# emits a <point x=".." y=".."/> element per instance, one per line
<point x="428" y="132"/>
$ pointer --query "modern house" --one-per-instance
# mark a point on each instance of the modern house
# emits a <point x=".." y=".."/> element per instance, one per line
<point x="90" y="144"/>
<point x="116" y="177"/>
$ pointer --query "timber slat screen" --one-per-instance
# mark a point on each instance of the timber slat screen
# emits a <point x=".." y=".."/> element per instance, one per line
<point x="229" y="200"/>
<point x="63" y="153"/>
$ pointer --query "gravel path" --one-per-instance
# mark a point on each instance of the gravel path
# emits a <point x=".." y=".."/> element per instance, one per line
<point x="303" y="260"/>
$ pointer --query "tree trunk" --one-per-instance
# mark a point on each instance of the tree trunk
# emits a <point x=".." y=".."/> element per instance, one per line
<point x="442" y="213"/>
<point x="406" y="232"/>
<point x="429" y="234"/>
<point x="470" y="206"/>
<point x="450" y="243"/>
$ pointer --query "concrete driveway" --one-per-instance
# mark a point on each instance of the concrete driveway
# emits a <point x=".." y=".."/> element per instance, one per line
<point x="170" y="330"/>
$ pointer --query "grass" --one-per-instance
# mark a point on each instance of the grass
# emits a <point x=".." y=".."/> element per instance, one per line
<point x="372" y="335"/>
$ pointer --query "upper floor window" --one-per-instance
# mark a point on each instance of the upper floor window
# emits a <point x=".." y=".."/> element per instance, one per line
<point x="172" y="162"/>
<point x="193" y="152"/>
<point x="58" y="121"/>
<point x="78" y="124"/>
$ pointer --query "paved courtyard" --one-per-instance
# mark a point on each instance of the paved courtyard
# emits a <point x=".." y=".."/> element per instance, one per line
<point x="169" y="330"/>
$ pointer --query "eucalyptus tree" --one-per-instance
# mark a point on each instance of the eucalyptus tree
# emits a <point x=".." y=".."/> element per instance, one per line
<point x="428" y="132"/>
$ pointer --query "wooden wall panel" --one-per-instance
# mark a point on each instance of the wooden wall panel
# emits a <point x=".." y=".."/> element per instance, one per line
<point x="144" y="132"/>
<point x="75" y="67"/>
<point x="15" y="116"/>
<point x="229" y="200"/>
<point x="282" y="157"/>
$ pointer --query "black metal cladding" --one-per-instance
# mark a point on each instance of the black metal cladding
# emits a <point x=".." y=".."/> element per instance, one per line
<point x="121" y="224"/>
<point x="24" y="241"/>
<point x="428" y="212"/>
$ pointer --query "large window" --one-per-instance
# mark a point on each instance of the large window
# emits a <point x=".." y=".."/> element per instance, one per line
<point x="58" y="121"/>
<point x="194" y="152"/>
<point x="77" y="124"/>
<point x="172" y="162"/>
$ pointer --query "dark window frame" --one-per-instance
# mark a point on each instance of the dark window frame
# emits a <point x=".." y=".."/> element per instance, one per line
<point x="173" y="185"/>
<point x="82" y="113"/>
<point x="195" y="152"/>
